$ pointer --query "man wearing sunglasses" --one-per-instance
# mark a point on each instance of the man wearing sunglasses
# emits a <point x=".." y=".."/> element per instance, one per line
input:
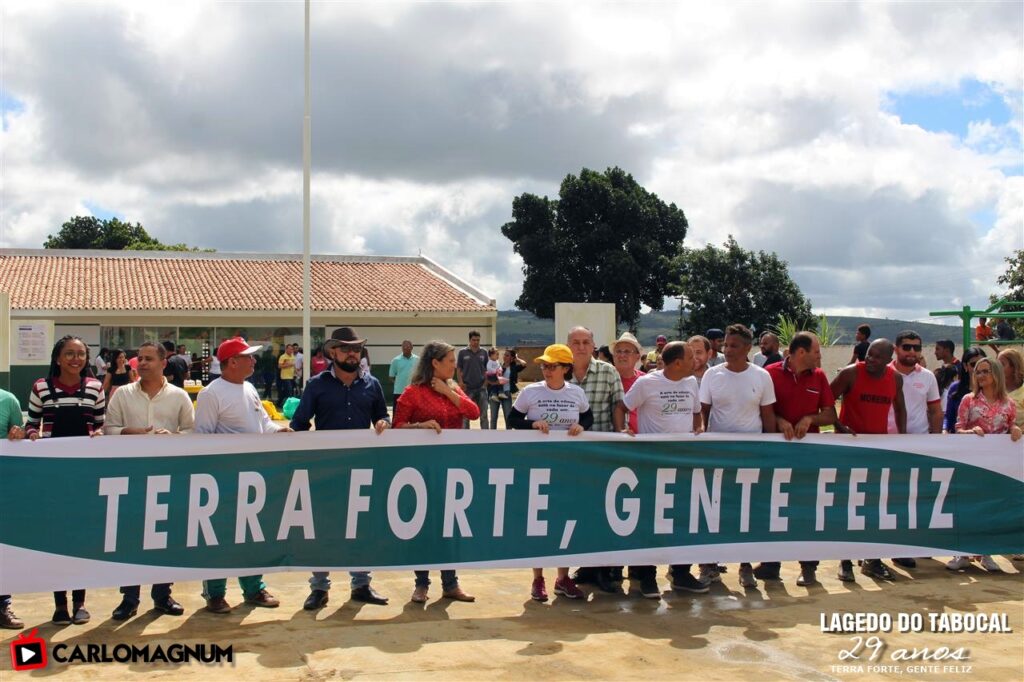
<point x="920" y="397"/>
<point x="920" y="389"/>
<point x="340" y="398"/>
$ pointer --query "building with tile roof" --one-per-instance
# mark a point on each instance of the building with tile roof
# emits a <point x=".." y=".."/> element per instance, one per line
<point x="118" y="299"/>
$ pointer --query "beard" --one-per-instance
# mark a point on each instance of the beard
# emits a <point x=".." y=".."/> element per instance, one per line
<point x="347" y="366"/>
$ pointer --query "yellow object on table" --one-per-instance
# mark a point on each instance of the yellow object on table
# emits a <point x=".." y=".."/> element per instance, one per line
<point x="272" y="411"/>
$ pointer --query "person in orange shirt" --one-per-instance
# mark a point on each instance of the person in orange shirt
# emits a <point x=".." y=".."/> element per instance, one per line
<point x="983" y="332"/>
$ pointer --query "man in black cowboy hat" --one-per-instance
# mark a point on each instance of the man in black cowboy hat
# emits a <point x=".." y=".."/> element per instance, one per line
<point x="340" y="399"/>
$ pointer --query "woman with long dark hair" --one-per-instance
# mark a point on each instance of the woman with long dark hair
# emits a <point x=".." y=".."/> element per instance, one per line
<point x="67" y="402"/>
<point x="119" y="373"/>
<point x="432" y="400"/>
<point x="961" y="387"/>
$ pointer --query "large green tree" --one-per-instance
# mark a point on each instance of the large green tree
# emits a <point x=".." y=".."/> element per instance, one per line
<point x="90" y="232"/>
<point x="723" y="286"/>
<point x="1013" y="280"/>
<point x="605" y="239"/>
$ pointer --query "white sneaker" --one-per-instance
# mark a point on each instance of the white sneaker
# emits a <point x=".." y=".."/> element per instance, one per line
<point x="958" y="563"/>
<point x="989" y="564"/>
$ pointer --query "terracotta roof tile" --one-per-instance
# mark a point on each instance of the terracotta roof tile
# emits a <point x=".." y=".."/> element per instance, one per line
<point x="223" y="282"/>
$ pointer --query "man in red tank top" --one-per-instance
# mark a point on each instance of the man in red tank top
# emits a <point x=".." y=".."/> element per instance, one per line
<point x="868" y="389"/>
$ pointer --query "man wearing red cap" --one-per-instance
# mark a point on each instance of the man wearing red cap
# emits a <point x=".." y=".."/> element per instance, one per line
<point x="651" y="359"/>
<point x="231" y="404"/>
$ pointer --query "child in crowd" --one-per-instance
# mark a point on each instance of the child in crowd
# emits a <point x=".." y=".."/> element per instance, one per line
<point x="493" y="376"/>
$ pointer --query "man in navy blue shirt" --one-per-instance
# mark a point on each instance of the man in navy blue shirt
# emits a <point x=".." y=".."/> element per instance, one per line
<point x="340" y="399"/>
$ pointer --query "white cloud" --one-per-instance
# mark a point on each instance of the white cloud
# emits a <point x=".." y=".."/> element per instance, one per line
<point x="763" y="120"/>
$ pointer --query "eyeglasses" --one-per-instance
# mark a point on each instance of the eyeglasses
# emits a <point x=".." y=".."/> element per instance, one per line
<point x="911" y="347"/>
<point x="982" y="372"/>
<point x="549" y="367"/>
<point x="626" y="351"/>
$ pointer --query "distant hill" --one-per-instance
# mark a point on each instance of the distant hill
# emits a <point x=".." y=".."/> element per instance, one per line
<point x="518" y="328"/>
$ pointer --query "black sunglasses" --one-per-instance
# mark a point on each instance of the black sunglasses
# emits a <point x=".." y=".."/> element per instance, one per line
<point x="911" y="347"/>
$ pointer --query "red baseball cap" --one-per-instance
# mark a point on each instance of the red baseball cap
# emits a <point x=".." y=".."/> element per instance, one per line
<point x="233" y="347"/>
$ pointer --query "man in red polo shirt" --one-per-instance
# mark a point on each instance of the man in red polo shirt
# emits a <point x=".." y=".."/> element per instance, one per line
<point x="803" y="402"/>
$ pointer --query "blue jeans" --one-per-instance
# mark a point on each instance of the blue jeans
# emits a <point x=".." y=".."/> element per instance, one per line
<point x="478" y="396"/>
<point x="505" y="406"/>
<point x="321" y="581"/>
<point x="449" y="581"/>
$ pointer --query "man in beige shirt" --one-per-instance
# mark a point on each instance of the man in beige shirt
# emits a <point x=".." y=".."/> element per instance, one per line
<point x="149" y="406"/>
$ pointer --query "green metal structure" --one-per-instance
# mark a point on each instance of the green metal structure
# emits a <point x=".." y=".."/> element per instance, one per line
<point x="995" y="310"/>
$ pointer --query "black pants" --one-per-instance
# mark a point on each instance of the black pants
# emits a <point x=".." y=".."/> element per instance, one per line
<point x="641" y="572"/>
<point x="813" y="565"/>
<point x="159" y="592"/>
<point x="61" y="598"/>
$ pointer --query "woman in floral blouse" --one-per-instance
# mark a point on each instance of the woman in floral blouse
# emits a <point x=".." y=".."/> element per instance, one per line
<point x="987" y="409"/>
<point x="433" y="401"/>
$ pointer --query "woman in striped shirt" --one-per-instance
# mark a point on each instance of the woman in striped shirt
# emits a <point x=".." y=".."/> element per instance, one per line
<point x="69" y="401"/>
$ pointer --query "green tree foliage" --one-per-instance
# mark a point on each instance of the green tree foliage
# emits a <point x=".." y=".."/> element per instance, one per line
<point x="1013" y="280"/>
<point x="605" y="239"/>
<point x="89" y="232"/>
<point x="723" y="286"/>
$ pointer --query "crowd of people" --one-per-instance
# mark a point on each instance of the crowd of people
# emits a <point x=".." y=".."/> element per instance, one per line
<point x="704" y="383"/>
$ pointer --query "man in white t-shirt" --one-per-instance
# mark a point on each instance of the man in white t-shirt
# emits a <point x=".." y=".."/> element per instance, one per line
<point x="737" y="397"/>
<point x="666" y="401"/>
<point x="231" y="404"/>
<point x="299" y="359"/>
<point x="920" y="396"/>
<point x="920" y="388"/>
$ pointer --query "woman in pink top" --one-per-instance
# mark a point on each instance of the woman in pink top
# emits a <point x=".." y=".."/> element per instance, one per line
<point x="987" y="409"/>
<point x="433" y="401"/>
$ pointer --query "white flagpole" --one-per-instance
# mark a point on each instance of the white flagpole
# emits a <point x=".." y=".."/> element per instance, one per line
<point x="307" y="351"/>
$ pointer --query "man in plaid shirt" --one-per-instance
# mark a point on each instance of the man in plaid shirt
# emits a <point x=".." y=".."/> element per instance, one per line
<point x="603" y="387"/>
<point x="599" y="380"/>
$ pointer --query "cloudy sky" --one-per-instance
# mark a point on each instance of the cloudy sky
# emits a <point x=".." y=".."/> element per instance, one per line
<point x="876" y="147"/>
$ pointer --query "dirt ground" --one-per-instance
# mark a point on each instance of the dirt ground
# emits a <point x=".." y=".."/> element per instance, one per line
<point x="772" y="632"/>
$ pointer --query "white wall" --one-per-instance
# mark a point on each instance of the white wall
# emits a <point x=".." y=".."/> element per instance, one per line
<point x="597" y="317"/>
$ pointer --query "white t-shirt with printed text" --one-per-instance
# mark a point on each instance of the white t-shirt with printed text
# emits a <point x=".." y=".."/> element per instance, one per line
<point x="663" y="405"/>
<point x="736" y="398"/>
<point x="560" y="409"/>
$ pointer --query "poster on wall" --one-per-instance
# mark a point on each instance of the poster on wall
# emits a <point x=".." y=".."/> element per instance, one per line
<point x="33" y="342"/>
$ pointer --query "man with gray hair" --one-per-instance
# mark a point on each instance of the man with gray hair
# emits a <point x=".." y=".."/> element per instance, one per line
<point x="603" y="388"/>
